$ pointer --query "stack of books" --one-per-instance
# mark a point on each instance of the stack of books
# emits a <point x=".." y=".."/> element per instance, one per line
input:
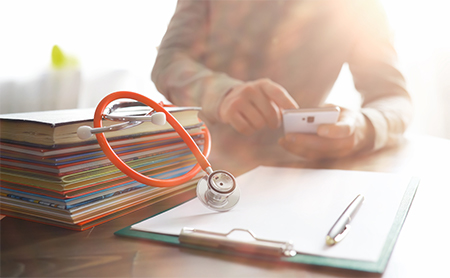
<point x="49" y="175"/>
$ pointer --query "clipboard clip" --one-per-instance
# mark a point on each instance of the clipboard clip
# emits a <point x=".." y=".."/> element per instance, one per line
<point x="262" y="247"/>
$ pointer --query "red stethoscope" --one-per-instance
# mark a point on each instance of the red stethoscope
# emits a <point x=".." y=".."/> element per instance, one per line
<point x="217" y="190"/>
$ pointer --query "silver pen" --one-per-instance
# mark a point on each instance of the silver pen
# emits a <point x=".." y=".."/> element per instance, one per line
<point x="342" y="225"/>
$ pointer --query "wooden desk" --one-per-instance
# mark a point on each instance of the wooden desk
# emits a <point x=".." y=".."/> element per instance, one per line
<point x="35" y="250"/>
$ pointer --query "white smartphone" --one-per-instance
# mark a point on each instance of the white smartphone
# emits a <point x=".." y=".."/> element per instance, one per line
<point x="307" y="120"/>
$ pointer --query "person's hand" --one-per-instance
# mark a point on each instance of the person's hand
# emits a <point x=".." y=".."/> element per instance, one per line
<point x="254" y="105"/>
<point x="351" y="134"/>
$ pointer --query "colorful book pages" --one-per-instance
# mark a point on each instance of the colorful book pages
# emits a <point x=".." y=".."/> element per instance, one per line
<point x="74" y="185"/>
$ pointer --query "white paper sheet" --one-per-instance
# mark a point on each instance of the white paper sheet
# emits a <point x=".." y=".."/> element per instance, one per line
<point x="300" y="205"/>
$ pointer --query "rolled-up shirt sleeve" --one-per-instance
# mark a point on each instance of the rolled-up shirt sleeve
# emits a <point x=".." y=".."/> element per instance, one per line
<point x="178" y="72"/>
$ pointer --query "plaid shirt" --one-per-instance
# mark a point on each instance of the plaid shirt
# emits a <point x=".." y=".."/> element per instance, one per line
<point x="211" y="46"/>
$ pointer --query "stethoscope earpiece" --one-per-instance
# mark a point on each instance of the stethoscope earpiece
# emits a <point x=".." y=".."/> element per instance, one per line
<point x="218" y="191"/>
<point x="158" y="118"/>
<point x="84" y="132"/>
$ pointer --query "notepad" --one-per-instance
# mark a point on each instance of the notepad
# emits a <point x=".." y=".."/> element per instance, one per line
<point x="301" y="205"/>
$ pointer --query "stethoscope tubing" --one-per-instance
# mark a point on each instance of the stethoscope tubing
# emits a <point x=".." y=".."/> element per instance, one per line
<point x="118" y="162"/>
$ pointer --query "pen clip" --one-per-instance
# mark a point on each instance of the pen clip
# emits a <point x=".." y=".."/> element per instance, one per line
<point x="338" y="237"/>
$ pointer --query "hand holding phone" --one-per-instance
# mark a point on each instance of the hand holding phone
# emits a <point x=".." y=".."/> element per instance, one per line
<point x="308" y="120"/>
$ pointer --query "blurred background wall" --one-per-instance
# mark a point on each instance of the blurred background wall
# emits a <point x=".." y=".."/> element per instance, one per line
<point x="111" y="45"/>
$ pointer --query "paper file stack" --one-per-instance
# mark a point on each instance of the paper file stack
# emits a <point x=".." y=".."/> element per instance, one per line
<point x="50" y="176"/>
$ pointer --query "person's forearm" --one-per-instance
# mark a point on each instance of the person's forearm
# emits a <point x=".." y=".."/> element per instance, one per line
<point x="386" y="102"/>
<point x="187" y="83"/>
<point x="178" y="73"/>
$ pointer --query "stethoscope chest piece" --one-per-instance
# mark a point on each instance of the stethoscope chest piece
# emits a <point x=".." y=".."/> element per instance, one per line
<point x="218" y="191"/>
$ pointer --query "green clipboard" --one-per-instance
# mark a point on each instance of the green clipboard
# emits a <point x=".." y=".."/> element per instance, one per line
<point x="366" y="266"/>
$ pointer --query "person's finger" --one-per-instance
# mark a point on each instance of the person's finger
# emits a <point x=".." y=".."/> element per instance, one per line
<point x="277" y="94"/>
<point x="240" y="124"/>
<point x="274" y="98"/>
<point x="316" y="143"/>
<point x="343" y="128"/>
<point x="268" y="110"/>
<point x="253" y="116"/>
<point x="314" y="156"/>
<point x="310" y="143"/>
<point x="254" y="107"/>
<point x="266" y="113"/>
<point x="330" y="105"/>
